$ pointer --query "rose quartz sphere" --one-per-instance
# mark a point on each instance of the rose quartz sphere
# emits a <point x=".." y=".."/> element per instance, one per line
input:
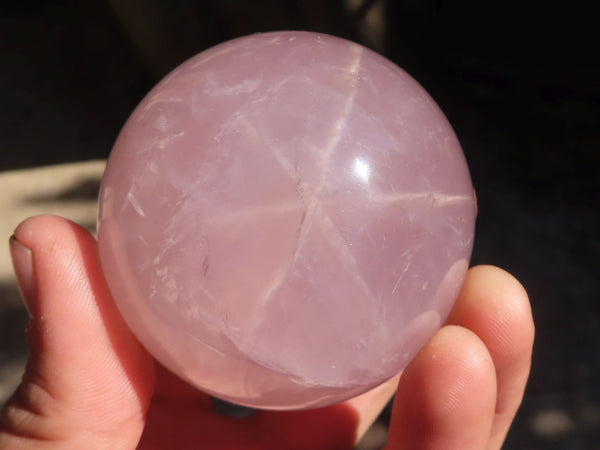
<point x="285" y="220"/>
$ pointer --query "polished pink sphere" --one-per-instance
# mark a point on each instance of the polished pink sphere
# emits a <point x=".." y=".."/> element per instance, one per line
<point x="285" y="220"/>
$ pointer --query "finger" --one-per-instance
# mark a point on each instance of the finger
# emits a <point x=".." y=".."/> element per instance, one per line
<point x="495" y="306"/>
<point x="446" y="395"/>
<point x="88" y="381"/>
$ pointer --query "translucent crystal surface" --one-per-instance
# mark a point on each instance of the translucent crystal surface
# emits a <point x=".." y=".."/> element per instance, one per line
<point x="285" y="220"/>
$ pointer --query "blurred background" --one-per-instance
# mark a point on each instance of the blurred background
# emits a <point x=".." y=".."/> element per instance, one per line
<point x="519" y="81"/>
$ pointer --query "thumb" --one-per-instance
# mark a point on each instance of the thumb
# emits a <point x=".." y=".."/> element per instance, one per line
<point x="88" y="381"/>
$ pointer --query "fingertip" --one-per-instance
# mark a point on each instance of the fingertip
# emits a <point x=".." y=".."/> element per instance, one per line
<point x="34" y="230"/>
<point x="446" y="396"/>
<point x="499" y="280"/>
<point x="453" y="362"/>
<point x="495" y="305"/>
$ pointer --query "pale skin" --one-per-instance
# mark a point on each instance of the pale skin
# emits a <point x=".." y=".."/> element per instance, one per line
<point x="89" y="383"/>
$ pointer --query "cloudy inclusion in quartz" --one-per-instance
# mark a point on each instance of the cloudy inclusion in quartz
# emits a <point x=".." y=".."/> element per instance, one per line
<point x="285" y="220"/>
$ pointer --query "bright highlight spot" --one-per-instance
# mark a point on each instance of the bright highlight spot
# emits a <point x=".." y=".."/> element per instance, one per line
<point x="362" y="170"/>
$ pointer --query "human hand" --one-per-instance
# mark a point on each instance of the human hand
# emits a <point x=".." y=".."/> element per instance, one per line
<point x="90" y="385"/>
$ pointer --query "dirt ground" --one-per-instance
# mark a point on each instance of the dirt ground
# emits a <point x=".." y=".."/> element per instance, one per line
<point x="523" y="96"/>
